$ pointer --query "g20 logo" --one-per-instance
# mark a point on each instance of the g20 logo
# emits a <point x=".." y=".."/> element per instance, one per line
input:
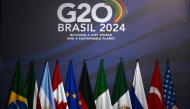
<point x="86" y="24"/>
<point x="82" y="17"/>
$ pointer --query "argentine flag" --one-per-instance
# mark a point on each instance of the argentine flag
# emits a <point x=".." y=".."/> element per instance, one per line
<point x="138" y="98"/>
<point x="46" y="93"/>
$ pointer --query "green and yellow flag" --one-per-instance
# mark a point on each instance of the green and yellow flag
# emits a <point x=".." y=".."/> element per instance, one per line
<point x="17" y="98"/>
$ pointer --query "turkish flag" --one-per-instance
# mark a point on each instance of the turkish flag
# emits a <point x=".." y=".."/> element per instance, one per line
<point x="156" y="97"/>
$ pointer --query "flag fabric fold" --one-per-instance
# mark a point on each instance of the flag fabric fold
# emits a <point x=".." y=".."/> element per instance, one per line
<point x="137" y="94"/>
<point x="31" y="88"/>
<point x="101" y="93"/>
<point x="85" y="90"/>
<point x="121" y="98"/>
<point x="156" y="97"/>
<point x="58" y="89"/>
<point x="169" y="92"/>
<point x="71" y="89"/>
<point x="17" y="98"/>
<point x="46" y="93"/>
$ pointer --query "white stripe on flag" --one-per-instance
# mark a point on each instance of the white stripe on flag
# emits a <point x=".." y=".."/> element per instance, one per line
<point x="44" y="99"/>
<point x="55" y="94"/>
<point x="174" y="107"/>
<point x="123" y="100"/>
<point x="139" y="88"/>
<point x="16" y="105"/>
<point x="59" y="94"/>
<point x="35" y="95"/>
<point x="103" y="101"/>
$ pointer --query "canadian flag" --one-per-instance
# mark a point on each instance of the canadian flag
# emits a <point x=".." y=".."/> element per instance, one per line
<point x="58" y="89"/>
<point x="156" y="96"/>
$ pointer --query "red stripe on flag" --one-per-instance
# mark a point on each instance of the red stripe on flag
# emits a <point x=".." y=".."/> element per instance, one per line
<point x="57" y="77"/>
<point x="38" y="106"/>
<point x="83" y="103"/>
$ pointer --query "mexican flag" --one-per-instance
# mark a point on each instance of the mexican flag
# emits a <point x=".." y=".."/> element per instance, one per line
<point x="121" y="98"/>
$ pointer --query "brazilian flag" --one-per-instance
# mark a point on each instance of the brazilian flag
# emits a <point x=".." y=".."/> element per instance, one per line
<point x="17" y="98"/>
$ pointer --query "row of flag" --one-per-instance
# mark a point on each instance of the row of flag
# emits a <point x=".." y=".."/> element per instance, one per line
<point x="53" y="95"/>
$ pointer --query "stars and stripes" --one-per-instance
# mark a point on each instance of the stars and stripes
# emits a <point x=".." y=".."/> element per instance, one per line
<point x="160" y="96"/>
<point x="169" y="93"/>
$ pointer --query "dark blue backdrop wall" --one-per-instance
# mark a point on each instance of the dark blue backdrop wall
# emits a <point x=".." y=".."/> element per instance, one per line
<point x="154" y="30"/>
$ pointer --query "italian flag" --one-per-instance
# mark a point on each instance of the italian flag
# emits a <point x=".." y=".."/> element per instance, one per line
<point x="101" y="94"/>
<point x="121" y="98"/>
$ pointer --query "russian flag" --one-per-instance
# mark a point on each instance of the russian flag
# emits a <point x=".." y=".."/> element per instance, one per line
<point x="138" y="98"/>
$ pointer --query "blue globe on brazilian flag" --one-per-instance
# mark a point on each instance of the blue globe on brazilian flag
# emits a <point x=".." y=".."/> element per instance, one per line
<point x="17" y="98"/>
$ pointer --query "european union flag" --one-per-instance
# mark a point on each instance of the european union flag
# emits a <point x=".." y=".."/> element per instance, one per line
<point x="71" y="90"/>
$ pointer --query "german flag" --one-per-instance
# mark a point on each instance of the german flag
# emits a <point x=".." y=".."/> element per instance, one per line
<point x="17" y="98"/>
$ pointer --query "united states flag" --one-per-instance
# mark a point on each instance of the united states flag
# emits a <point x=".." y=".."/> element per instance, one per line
<point x="169" y="93"/>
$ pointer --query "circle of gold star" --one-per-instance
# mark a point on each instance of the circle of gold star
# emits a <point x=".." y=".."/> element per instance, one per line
<point x="74" y="96"/>
<point x="67" y="94"/>
<point x="79" y="102"/>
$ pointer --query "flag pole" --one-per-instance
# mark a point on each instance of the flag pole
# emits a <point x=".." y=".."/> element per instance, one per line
<point x="168" y="61"/>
